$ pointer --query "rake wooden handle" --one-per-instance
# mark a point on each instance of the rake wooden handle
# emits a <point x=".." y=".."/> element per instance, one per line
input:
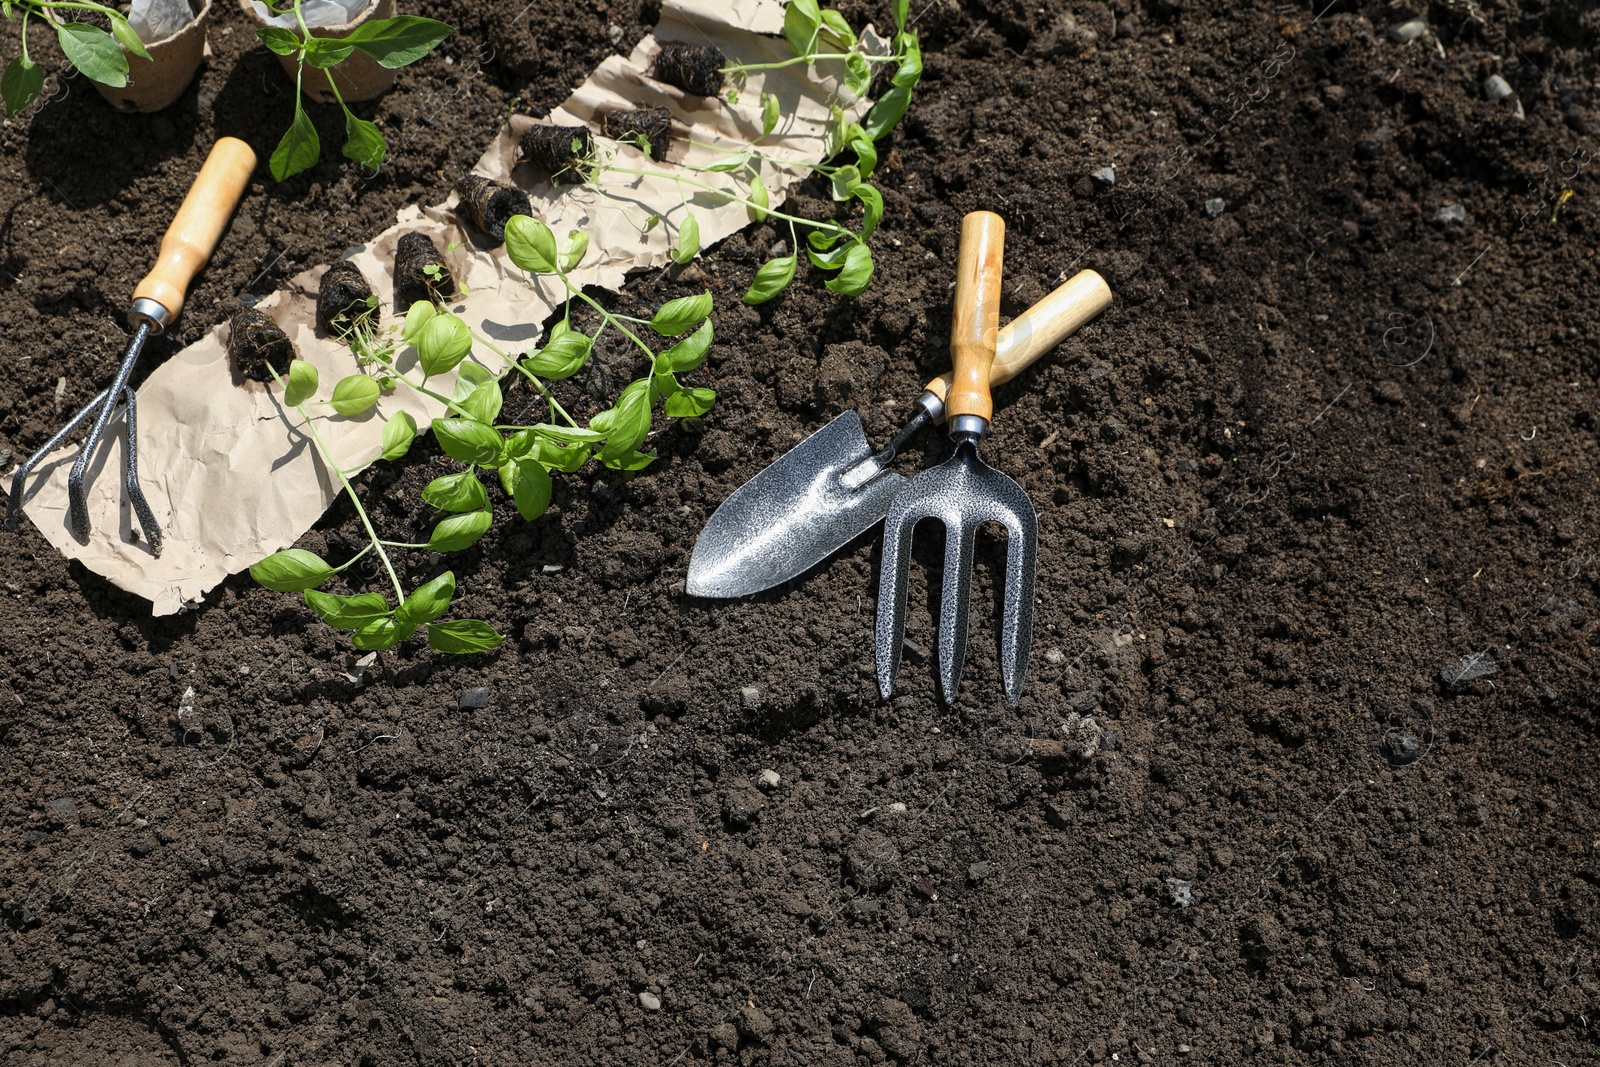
<point x="975" y="325"/>
<point x="198" y="225"/>
<point x="1029" y="336"/>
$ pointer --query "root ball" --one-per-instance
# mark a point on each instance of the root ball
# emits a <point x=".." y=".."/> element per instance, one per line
<point x="490" y="204"/>
<point x="344" y="302"/>
<point x="562" y="152"/>
<point x="419" y="273"/>
<point x="653" y="124"/>
<point x="254" y="343"/>
<point x="694" y="68"/>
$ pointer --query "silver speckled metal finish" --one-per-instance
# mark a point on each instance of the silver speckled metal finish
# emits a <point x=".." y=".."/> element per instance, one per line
<point x="963" y="493"/>
<point x="793" y="515"/>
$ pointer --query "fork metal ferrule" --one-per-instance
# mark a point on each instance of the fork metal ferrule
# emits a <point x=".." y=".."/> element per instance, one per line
<point x="973" y="426"/>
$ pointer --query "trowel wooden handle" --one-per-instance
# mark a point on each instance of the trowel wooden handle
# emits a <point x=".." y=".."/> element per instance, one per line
<point x="198" y="225"/>
<point x="975" y="325"/>
<point x="1039" y="329"/>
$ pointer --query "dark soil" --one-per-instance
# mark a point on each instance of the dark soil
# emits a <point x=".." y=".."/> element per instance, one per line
<point x="1318" y="558"/>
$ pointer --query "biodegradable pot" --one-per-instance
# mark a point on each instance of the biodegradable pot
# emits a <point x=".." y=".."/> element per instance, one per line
<point x="359" y="77"/>
<point x="156" y="82"/>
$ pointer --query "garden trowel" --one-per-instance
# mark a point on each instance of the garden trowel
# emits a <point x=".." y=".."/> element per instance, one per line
<point x="832" y="487"/>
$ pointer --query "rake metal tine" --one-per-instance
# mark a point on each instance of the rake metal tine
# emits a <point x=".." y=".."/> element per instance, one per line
<point x="1016" y="626"/>
<point x="894" y="574"/>
<point x="20" y="477"/>
<point x="77" y="502"/>
<point x="130" y="481"/>
<point x="960" y="539"/>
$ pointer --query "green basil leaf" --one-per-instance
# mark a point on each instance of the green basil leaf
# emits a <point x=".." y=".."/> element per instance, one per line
<point x="886" y="112"/>
<point x="563" y="356"/>
<point x="631" y="461"/>
<point x="363" y="142"/>
<point x="845" y="179"/>
<point x="866" y="155"/>
<point x="836" y="31"/>
<point x="347" y="612"/>
<point x="688" y="239"/>
<point x="484" y="403"/>
<point x="376" y="636"/>
<point x="902" y="9"/>
<point x="690" y="352"/>
<point x="909" y="72"/>
<point x="760" y="197"/>
<point x="856" y="273"/>
<point x="626" y="423"/>
<point x="21" y="84"/>
<point x="442" y="343"/>
<point x="460" y="531"/>
<point x="567" y="434"/>
<point x="299" y="148"/>
<point x="572" y="254"/>
<point x="325" y="52"/>
<point x="427" y="602"/>
<point x="302" y="384"/>
<point x="354" y="394"/>
<point x="732" y="163"/>
<point x="530" y="487"/>
<point x="127" y="38"/>
<point x="857" y="74"/>
<point x="94" y="52"/>
<point x="771" y="112"/>
<point x="559" y="457"/>
<point x="468" y="441"/>
<point x="291" y="571"/>
<point x="457" y="493"/>
<point x="398" y="433"/>
<point x="680" y="315"/>
<point x="872" y="207"/>
<point x="462" y="637"/>
<point x="801" y="20"/>
<point x="531" y="245"/>
<point x="773" y="278"/>
<point x="416" y="318"/>
<point x="399" y="42"/>
<point x="283" y="42"/>
<point x="829" y="260"/>
<point x="822" y="240"/>
<point x="690" y="403"/>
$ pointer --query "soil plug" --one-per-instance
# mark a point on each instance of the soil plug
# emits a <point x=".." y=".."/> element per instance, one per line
<point x="345" y="301"/>
<point x="651" y="124"/>
<point x="694" y="68"/>
<point x="420" y="273"/>
<point x="490" y="204"/>
<point x="565" y="153"/>
<point x="255" y="343"/>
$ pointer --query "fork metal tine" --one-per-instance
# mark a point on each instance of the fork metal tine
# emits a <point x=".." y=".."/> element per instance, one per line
<point x="959" y="538"/>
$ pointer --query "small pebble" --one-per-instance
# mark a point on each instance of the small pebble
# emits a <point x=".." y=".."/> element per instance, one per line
<point x="978" y="872"/>
<point x="603" y="492"/>
<point x="1055" y="657"/>
<point x="1181" y="891"/>
<point x="1215" y="206"/>
<point x="779" y="248"/>
<point x="1496" y="88"/>
<point x="750" y="696"/>
<point x="1450" y="213"/>
<point x="1105" y="175"/>
<point x="897" y="808"/>
<point x="474" y="698"/>
<point x="614" y="32"/>
<point x="1410" y="30"/>
<point x="552" y="568"/>
<point x="1405" y="748"/>
<point x="142" y="849"/>
<point x="649" y="1002"/>
<point x="769" y="779"/>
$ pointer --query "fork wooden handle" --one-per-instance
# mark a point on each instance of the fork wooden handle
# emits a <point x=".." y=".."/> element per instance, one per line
<point x="198" y="225"/>
<point x="975" y="325"/>
<point x="1029" y="336"/>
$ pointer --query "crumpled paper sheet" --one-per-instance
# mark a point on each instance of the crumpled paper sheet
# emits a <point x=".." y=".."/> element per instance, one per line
<point x="229" y="475"/>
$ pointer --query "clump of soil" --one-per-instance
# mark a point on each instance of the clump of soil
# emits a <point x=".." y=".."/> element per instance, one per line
<point x="345" y="300"/>
<point x="255" y="343"/>
<point x="651" y="124"/>
<point x="490" y="204"/>
<point x="561" y="152"/>
<point x="694" y="68"/>
<point x="420" y="272"/>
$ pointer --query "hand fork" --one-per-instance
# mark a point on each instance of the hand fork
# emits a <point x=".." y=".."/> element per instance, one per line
<point x="157" y="300"/>
<point x="964" y="492"/>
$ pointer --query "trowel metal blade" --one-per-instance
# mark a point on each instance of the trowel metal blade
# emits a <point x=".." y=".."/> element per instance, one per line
<point x="793" y="515"/>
